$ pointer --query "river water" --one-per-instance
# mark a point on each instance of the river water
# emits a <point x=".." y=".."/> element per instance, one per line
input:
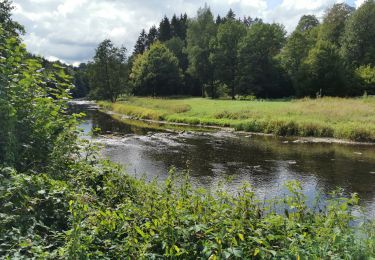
<point x="225" y="158"/>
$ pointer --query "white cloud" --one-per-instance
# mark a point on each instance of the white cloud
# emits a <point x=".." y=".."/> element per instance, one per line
<point x="69" y="6"/>
<point x="358" y="3"/>
<point x="52" y="58"/>
<point x="290" y="11"/>
<point x="70" y="30"/>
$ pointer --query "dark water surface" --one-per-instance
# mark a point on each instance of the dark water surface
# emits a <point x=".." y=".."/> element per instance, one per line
<point x="213" y="158"/>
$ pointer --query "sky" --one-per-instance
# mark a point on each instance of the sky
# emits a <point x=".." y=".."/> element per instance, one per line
<point x="70" y="30"/>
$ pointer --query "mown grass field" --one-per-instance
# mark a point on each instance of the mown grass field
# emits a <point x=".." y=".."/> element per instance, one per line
<point x="351" y="119"/>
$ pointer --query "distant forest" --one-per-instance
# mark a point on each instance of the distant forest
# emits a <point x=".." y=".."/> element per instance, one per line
<point x="239" y="58"/>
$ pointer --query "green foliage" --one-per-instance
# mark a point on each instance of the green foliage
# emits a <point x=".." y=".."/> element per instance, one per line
<point x="165" y="31"/>
<point x="140" y="45"/>
<point x="176" y="45"/>
<point x="366" y="78"/>
<point x="32" y="105"/>
<point x="200" y="32"/>
<point x="11" y="27"/>
<point x="358" y="39"/>
<point x="109" y="72"/>
<point x="258" y="71"/>
<point x="33" y="214"/>
<point x="296" y="50"/>
<point x="179" y="26"/>
<point x="334" y="22"/>
<point x="152" y="37"/>
<point x="322" y="72"/>
<point x="177" y="221"/>
<point x="306" y="23"/>
<point x="217" y="58"/>
<point x="156" y="72"/>
<point x="116" y="216"/>
<point x="81" y="81"/>
<point x="224" y="52"/>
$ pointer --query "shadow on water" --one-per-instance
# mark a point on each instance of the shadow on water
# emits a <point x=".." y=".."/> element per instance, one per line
<point x="214" y="157"/>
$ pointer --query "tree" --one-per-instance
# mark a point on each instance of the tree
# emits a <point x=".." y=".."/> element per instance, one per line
<point x="109" y="72"/>
<point x="219" y="20"/>
<point x="200" y="32"/>
<point x="81" y="81"/>
<point x="224" y="52"/>
<point x="334" y="22"/>
<point x="366" y="78"/>
<point x="183" y="21"/>
<point x="323" y="72"/>
<point x="152" y="36"/>
<point x="298" y="45"/>
<point x="156" y="72"/>
<point x="231" y="16"/>
<point x="176" y="45"/>
<point x="9" y="26"/>
<point x="248" y="21"/>
<point x="306" y="23"/>
<point x="179" y="26"/>
<point x="358" y="46"/>
<point x="165" y="32"/>
<point x="258" y="71"/>
<point x="32" y="115"/>
<point x="141" y="44"/>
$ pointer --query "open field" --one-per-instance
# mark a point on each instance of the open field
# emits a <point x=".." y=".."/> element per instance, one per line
<point x="351" y="119"/>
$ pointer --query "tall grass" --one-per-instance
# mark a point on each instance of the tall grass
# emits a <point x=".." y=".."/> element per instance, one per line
<point x="352" y="119"/>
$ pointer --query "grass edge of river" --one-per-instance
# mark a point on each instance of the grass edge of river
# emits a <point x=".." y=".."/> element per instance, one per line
<point x="345" y="132"/>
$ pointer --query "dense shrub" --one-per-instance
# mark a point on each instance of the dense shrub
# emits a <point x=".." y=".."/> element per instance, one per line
<point x="102" y="213"/>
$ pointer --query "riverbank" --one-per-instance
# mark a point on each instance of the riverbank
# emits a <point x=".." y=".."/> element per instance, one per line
<point x="338" y="119"/>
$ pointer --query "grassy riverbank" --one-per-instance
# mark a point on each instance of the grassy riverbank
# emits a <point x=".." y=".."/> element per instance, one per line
<point x="352" y="119"/>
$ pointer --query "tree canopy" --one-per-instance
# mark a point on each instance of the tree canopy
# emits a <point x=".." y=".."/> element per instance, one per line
<point x="224" y="52"/>
<point x="109" y="72"/>
<point x="230" y="56"/>
<point x="156" y="72"/>
<point x="200" y="32"/>
<point x="258" y="71"/>
<point x="358" y="46"/>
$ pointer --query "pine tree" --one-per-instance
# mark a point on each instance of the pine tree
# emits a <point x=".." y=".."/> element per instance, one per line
<point x="230" y="15"/>
<point x="175" y="27"/>
<point x="218" y="20"/>
<point x="152" y="36"/>
<point x="141" y="44"/>
<point x="183" y="26"/>
<point x="165" y="30"/>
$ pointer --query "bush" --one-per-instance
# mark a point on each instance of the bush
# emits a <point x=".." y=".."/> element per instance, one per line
<point x="112" y="215"/>
<point x="366" y="78"/>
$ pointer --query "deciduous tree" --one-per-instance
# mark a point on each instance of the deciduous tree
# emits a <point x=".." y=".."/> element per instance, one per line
<point x="323" y="72"/>
<point x="224" y="52"/>
<point x="258" y="72"/>
<point x="200" y="32"/>
<point x="156" y="72"/>
<point x="358" y="46"/>
<point x="109" y="72"/>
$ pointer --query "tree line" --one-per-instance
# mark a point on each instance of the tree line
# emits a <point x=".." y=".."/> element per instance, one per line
<point x="239" y="57"/>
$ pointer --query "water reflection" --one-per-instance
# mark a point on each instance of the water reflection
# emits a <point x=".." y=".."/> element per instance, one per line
<point x="265" y="162"/>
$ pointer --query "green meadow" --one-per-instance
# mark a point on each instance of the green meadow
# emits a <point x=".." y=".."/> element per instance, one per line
<point x="343" y="118"/>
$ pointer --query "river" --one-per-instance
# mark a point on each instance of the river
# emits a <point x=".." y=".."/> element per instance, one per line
<point x="229" y="159"/>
